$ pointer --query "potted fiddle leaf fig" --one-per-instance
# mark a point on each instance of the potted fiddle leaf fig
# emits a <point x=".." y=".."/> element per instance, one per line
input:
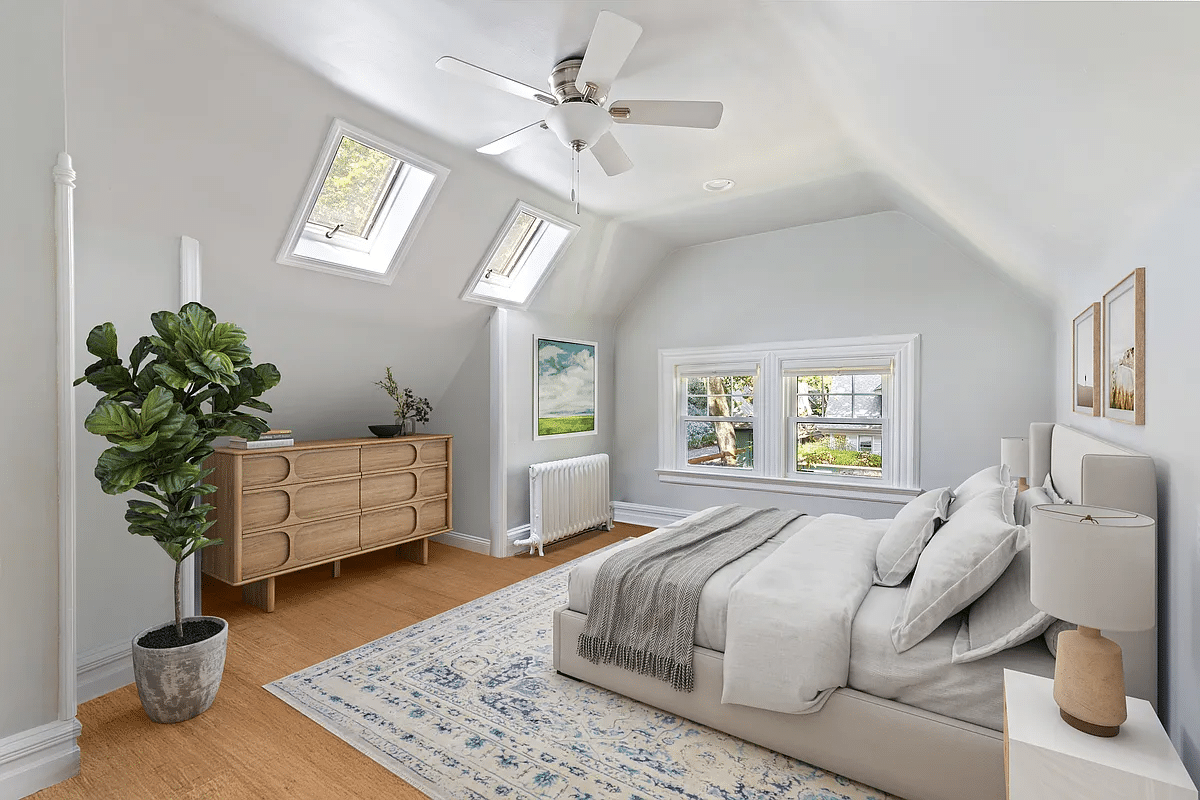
<point x="183" y="387"/>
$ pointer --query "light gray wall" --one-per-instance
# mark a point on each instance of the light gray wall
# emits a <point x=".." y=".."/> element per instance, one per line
<point x="523" y="450"/>
<point x="465" y="412"/>
<point x="186" y="127"/>
<point x="1170" y="250"/>
<point x="32" y="134"/>
<point x="986" y="364"/>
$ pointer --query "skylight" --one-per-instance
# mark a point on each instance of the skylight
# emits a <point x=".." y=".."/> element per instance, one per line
<point x="365" y="201"/>
<point x="520" y="258"/>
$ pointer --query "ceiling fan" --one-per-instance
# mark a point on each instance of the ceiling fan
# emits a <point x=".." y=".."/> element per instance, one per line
<point x="578" y="90"/>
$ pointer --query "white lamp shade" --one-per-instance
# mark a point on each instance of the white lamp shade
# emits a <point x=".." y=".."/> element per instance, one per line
<point x="1093" y="566"/>
<point x="1014" y="454"/>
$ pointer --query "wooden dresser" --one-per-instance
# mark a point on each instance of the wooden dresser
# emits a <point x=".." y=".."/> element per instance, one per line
<point x="282" y="509"/>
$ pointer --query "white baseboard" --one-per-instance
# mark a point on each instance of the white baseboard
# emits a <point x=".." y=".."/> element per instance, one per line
<point x="456" y="539"/>
<point x="39" y="757"/>
<point x="653" y="516"/>
<point x="104" y="669"/>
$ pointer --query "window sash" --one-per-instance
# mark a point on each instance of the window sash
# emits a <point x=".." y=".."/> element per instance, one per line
<point x="793" y="445"/>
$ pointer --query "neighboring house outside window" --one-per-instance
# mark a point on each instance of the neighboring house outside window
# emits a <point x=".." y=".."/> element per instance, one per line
<point x="834" y="417"/>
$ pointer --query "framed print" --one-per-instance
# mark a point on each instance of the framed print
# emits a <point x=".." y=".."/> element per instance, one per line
<point x="1125" y="350"/>
<point x="564" y="387"/>
<point x="1086" y="348"/>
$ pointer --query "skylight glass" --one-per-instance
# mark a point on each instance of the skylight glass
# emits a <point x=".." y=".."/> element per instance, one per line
<point x="354" y="189"/>
<point x="513" y="247"/>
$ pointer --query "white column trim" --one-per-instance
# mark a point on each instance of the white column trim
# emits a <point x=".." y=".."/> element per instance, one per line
<point x="189" y="292"/>
<point x="498" y="330"/>
<point x="64" y="233"/>
<point x="39" y="757"/>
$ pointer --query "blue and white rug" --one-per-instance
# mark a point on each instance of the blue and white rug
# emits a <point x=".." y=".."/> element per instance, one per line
<point x="467" y="705"/>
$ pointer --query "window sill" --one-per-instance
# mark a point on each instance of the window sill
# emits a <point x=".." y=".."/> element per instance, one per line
<point x="841" y="491"/>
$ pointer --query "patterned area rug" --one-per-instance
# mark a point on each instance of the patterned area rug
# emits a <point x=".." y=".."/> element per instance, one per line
<point x="467" y="705"/>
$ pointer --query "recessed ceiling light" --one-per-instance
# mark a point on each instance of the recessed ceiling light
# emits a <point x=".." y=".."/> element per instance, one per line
<point x="718" y="185"/>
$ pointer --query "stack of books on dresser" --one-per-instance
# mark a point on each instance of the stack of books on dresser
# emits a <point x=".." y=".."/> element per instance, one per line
<point x="272" y="438"/>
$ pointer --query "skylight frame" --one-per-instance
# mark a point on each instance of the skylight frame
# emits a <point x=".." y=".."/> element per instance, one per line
<point x="377" y="257"/>
<point x="502" y="291"/>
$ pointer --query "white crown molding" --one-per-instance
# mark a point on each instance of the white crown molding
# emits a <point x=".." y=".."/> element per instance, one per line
<point x="464" y="541"/>
<point x="104" y="669"/>
<point x="34" y="759"/>
<point x="650" y="516"/>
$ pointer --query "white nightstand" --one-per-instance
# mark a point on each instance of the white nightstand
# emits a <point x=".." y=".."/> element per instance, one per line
<point x="1047" y="759"/>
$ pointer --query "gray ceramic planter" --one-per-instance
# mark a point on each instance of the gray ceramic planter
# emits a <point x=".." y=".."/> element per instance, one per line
<point x="178" y="683"/>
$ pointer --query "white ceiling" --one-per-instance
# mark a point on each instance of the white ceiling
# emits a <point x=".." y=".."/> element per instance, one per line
<point x="1036" y="135"/>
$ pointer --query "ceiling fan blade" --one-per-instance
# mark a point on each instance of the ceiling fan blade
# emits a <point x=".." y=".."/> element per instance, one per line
<point x="677" y="113"/>
<point x="509" y="141"/>
<point x="497" y="81"/>
<point x="612" y="41"/>
<point x="611" y="155"/>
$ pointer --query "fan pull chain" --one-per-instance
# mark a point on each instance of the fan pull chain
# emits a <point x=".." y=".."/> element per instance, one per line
<point x="575" y="178"/>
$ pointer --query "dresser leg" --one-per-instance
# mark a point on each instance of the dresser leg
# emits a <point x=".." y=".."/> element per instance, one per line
<point x="337" y="569"/>
<point x="417" y="551"/>
<point x="260" y="594"/>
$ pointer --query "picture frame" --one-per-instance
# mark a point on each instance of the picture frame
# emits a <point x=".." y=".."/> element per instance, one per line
<point x="564" y="387"/>
<point x="1087" y="344"/>
<point x="1124" y="397"/>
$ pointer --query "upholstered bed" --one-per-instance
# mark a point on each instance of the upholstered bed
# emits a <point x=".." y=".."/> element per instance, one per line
<point x="910" y="723"/>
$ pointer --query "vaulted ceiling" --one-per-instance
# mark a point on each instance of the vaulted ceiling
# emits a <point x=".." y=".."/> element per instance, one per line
<point x="1037" y="136"/>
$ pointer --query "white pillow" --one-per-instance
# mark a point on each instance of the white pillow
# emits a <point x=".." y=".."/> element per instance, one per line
<point x="966" y="556"/>
<point x="1003" y="617"/>
<point x="1026" y="500"/>
<point x="1055" y="497"/>
<point x="908" y="534"/>
<point x="986" y="478"/>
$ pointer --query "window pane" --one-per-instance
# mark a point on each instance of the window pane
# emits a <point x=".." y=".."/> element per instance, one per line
<point x="839" y="396"/>
<point x="354" y="188"/>
<point x="721" y="396"/>
<point x="840" y="449"/>
<point x="720" y="444"/>
<point x="512" y="246"/>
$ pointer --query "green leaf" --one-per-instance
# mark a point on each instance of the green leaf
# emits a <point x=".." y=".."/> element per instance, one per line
<point x="166" y="325"/>
<point x="112" y="419"/>
<point x="111" y="378"/>
<point x="180" y="478"/>
<point x="102" y="341"/>
<point x="139" y="444"/>
<point x="119" y="471"/>
<point x="227" y="336"/>
<point x="269" y="374"/>
<point x="156" y="407"/>
<point x="217" y="362"/>
<point x="140" y="350"/>
<point x="171" y="376"/>
<point x="258" y="405"/>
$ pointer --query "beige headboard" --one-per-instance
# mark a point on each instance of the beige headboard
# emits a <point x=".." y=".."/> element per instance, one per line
<point x="1091" y="471"/>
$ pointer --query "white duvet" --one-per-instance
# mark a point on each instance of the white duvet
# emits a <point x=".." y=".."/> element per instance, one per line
<point x="790" y="617"/>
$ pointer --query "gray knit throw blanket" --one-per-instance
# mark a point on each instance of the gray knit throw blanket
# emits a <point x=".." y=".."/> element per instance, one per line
<point x="646" y="598"/>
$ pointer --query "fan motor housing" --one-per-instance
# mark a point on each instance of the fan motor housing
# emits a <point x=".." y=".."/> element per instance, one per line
<point x="562" y="83"/>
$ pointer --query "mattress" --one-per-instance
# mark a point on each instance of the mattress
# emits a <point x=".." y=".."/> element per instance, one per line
<point x="922" y="676"/>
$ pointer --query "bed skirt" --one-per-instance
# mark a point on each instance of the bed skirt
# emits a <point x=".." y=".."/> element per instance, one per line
<point x="896" y="748"/>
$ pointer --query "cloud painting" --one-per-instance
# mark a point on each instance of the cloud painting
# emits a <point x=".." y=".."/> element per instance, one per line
<point x="566" y="387"/>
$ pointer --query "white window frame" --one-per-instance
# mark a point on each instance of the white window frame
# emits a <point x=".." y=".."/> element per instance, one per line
<point x="773" y="470"/>
<point x="707" y="370"/>
<point x="377" y="256"/>
<point x="495" y="291"/>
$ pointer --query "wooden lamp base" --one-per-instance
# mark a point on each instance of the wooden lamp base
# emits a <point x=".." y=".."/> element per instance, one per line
<point x="1089" y="682"/>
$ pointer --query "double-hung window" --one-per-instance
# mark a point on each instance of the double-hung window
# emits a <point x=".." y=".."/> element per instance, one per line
<point x="835" y="417"/>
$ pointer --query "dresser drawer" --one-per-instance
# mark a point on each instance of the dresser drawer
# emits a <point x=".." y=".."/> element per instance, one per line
<point x="294" y="546"/>
<point x="433" y="481"/>
<point x="266" y="508"/>
<point x="389" y="525"/>
<point x="435" y="452"/>
<point x="433" y="516"/>
<point x="270" y="469"/>
<point x="382" y="457"/>
<point x="388" y="489"/>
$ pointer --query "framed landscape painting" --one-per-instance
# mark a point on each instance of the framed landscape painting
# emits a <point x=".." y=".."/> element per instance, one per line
<point x="1086" y="347"/>
<point x="1125" y="350"/>
<point x="564" y="387"/>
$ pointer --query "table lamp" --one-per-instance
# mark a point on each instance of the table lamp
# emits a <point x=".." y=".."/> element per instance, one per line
<point x="1094" y="567"/>
<point x="1014" y="454"/>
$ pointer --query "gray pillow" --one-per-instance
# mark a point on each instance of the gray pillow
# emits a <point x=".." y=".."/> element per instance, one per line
<point x="1051" y="634"/>
<point x="1026" y="500"/>
<point x="1003" y="617"/>
<point x="965" y="492"/>
<point x="966" y="556"/>
<point x="908" y="534"/>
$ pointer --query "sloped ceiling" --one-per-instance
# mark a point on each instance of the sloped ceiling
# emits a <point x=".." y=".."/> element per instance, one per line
<point x="1036" y="135"/>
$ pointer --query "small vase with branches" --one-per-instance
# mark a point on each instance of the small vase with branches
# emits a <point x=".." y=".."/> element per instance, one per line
<point x="408" y="405"/>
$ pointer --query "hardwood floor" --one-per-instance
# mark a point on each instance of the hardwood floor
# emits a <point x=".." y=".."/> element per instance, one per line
<point x="251" y="745"/>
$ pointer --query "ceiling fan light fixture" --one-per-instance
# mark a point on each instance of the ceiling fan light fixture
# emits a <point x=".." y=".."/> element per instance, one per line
<point x="718" y="185"/>
<point x="578" y="122"/>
